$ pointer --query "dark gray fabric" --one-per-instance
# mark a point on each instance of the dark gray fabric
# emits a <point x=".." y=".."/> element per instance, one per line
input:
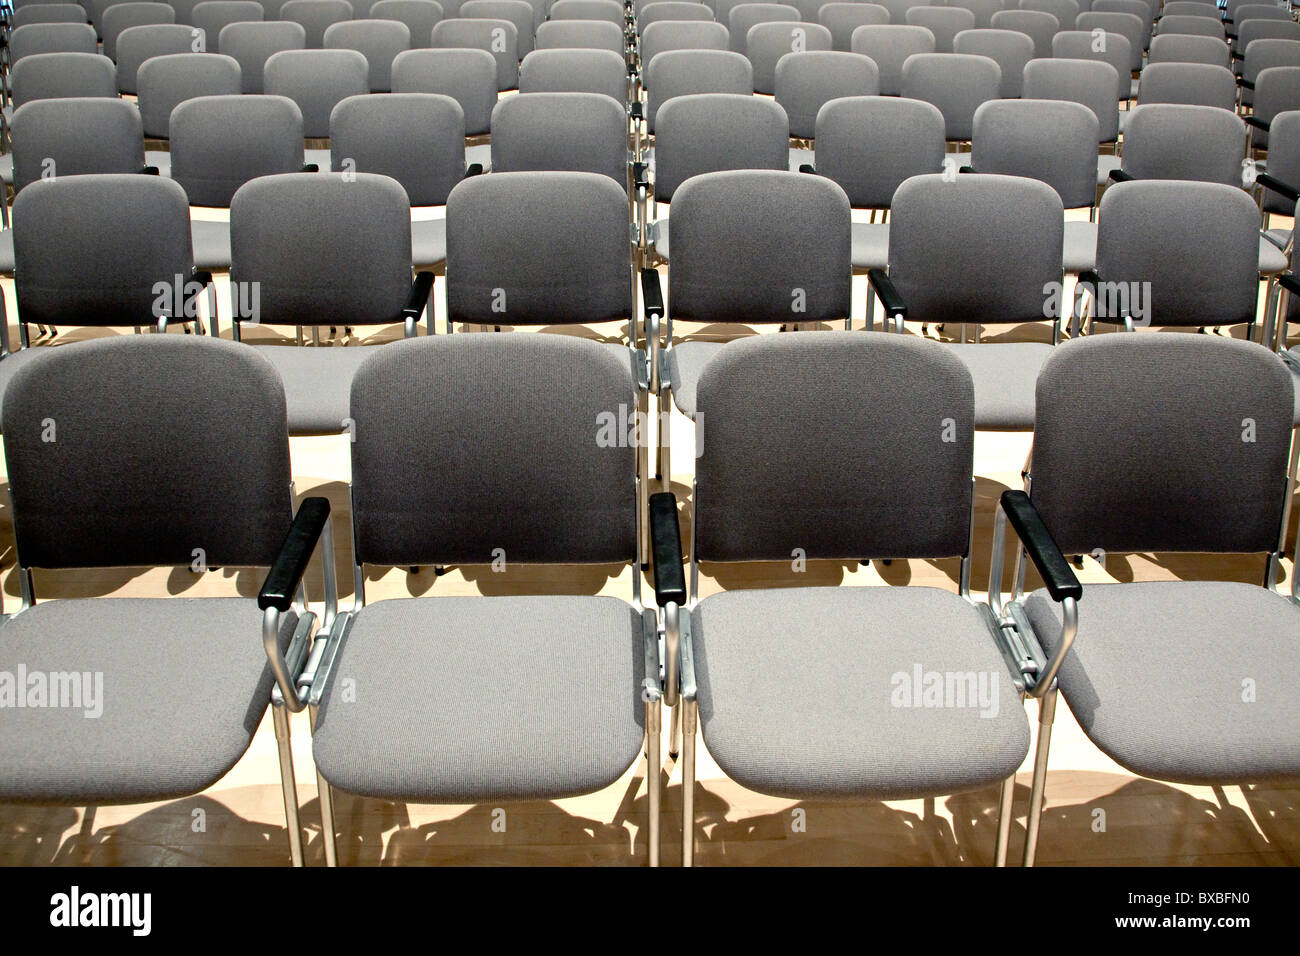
<point x="1283" y="160"/>
<point x="1009" y="49"/>
<point x="467" y="76"/>
<point x="90" y="249"/>
<point x="1127" y="25"/>
<point x="575" y="71"/>
<point x="843" y="18"/>
<point x="957" y="83"/>
<point x="317" y="385"/>
<point x="469" y="699"/>
<point x="1038" y="26"/>
<point x="1196" y="84"/>
<point x="122" y="16"/>
<point x="253" y="43"/>
<point x="683" y="72"/>
<point x="983" y="10"/>
<point x="538" y="249"/>
<point x="807" y="81"/>
<point x="211" y="241"/>
<point x="668" y="10"/>
<point x="158" y="737"/>
<point x="416" y="138"/>
<point x="128" y="427"/>
<point x="12" y="362"/>
<point x="681" y="35"/>
<point x="1090" y="82"/>
<point x="48" y="13"/>
<point x="185" y="10"/>
<point x="1004" y="374"/>
<point x="165" y="82"/>
<point x="760" y="246"/>
<point x="1266" y="54"/>
<point x="379" y="41"/>
<point x="1155" y="678"/>
<point x="708" y="132"/>
<point x="218" y="143"/>
<point x="1171" y="471"/>
<point x="1195" y="243"/>
<point x="518" y="12"/>
<point x="43" y="76"/>
<point x="582" y="35"/>
<point x="741" y="16"/>
<point x="212" y="16"/>
<point x="574" y="132"/>
<point x="420" y="16"/>
<point x="1050" y="140"/>
<point x="1175" y="141"/>
<point x="52" y="38"/>
<point x="871" y="144"/>
<point x="980" y="248"/>
<point x="1190" y="26"/>
<point x="325" y="249"/>
<point x="1276" y="89"/>
<point x="78" y="136"/>
<point x="770" y="479"/>
<point x="469" y="443"/>
<point x="7" y="251"/>
<point x="317" y="80"/>
<point x="889" y="45"/>
<point x="478" y="34"/>
<point x="944" y="22"/>
<point x="607" y="10"/>
<point x="1064" y="10"/>
<point x="138" y="43"/>
<point x="1181" y="48"/>
<point x="1252" y="30"/>
<point x="769" y="42"/>
<point x="1078" y="45"/>
<point x="316" y="16"/>
<point x="832" y="658"/>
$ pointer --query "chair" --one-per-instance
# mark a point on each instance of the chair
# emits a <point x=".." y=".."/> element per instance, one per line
<point x="56" y="75"/>
<point x="582" y="35"/>
<point x="685" y="72"/>
<point x="1090" y="82"/>
<point x="1183" y="48"/>
<point x="889" y="46"/>
<point x="983" y="10"/>
<point x="1079" y="45"/>
<point x="576" y="71"/>
<point x="609" y="11"/>
<point x="843" y="18"/>
<point x="51" y="38"/>
<point x="316" y="16"/>
<point x="48" y="13"/>
<point x="1190" y="26"/>
<point x="1191" y="8"/>
<point x="1091" y="490"/>
<point x="880" y="745"/>
<point x="468" y="76"/>
<point x="769" y="42"/>
<point x="1009" y="49"/>
<point x="253" y="43"/>
<point x="137" y="44"/>
<point x="1129" y="26"/>
<point x="807" y="81"/>
<point x="745" y="15"/>
<point x="1252" y="30"/>
<point x="167" y="81"/>
<point x="379" y="41"/>
<point x="1261" y="55"/>
<point x="213" y="16"/>
<point x="681" y="35"/>
<point x="662" y="10"/>
<point x="122" y="16"/>
<point x="573" y="132"/>
<point x="1193" y="84"/>
<point x="1038" y="26"/>
<point x="944" y="22"/>
<point x="420" y="16"/>
<point x="93" y="502"/>
<point x="1065" y="11"/>
<point x="497" y="37"/>
<point x="517" y="12"/>
<point x="317" y="80"/>
<point x="956" y="83"/>
<point x="1276" y="90"/>
<point x="1281" y="176"/>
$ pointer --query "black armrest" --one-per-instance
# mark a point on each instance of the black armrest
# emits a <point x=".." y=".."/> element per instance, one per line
<point x="1256" y="122"/>
<point x="652" y="293"/>
<point x="890" y="298"/>
<point x="150" y="170"/>
<point x="418" y="300"/>
<point x="1237" y="56"/>
<point x="1288" y="281"/>
<point x="639" y="171"/>
<point x="1057" y="574"/>
<point x="474" y="169"/>
<point x="1230" y="36"/>
<point x="309" y="168"/>
<point x="1285" y="190"/>
<point x="666" y="547"/>
<point x="286" y="574"/>
<point x="965" y="169"/>
<point x="808" y="168"/>
<point x="1089" y="279"/>
<point x="637" y="110"/>
<point x="199" y="281"/>
<point x="1119" y="176"/>
<point x="1243" y="82"/>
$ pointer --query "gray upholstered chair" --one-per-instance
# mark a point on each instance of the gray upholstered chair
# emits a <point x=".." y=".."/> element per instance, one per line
<point x="90" y="500"/>
<point x="1183" y="48"/>
<point x="52" y="38"/>
<point x="1253" y="30"/>
<point x="944" y="22"/>
<point x="806" y="81"/>
<point x="574" y="132"/>
<point x="889" y="45"/>
<point x="575" y="71"/>
<point x="1065" y="11"/>
<point x="213" y="16"/>
<point x="1035" y="24"/>
<point x="518" y="13"/>
<point x="510" y="698"/>
<point x="1155" y="672"/>
<point x="468" y="76"/>
<point x="1128" y="25"/>
<point x="684" y="72"/>
<point x="582" y="35"/>
<point x="1275" y="90"/>
<point x="983" y="10"/>
<point x="420" y="16"/>
<point x="843" y="18"/>
<point x="1279" y="183"/>
<point x="769" y="42"/>
<point x="379" y="41"/>
<point x="166" y="81"/>
<point x="847" y="728"/>
<point x="1009" y="49"/>
<point x="48" y="13"/>
<point x="316" y="16"/>
<point x="317" y="80"/>
<point x="609" y="11"/>
<point x="956" y="83"/>
<point x="319" y="249"/>
<point x="662" y="10"/>
<point x="1261" y="55"/>
<point x="748" y="13"/>
<point x="681" y="35"/>
<point x="497" y="37"/>
<point x="1192" y="84"/>
<point x="123" y="16"/>
<point x="1079" y="45"/>
<point x="252" y="43"/>
<point x="1189" y="26"/>
<point x="140" y="43"/>
<point x="1090" y="82"/>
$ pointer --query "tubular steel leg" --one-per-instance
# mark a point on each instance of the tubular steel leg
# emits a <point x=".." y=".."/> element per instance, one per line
<point x="280" y="716"/>
<point x="1046" y="715"/>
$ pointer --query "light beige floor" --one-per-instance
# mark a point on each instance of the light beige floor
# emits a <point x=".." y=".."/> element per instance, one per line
<point x="240" y="819"/>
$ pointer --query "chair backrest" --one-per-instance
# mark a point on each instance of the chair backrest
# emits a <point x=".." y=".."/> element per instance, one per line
<point x="843" y="18"/>
<point x="807" y="81"/>
<point x="91" y="250"/>
<point x="1053" y="141"/>
<point x="793" y="265"/>
<point x="73" y="137"/>
<point x="516" y="12"/>
<point x="889" y="46"/>
<point x="1035" y="24"/>
<point x="1128" y="25"/>
<point x="52" y="38"/>
<point x="167" y="81"/>
<point x="898" y="8"/>
<point x="1194" y="84"/>
<point x="957" y="83"/>
<point x="123" y="16"/>
<point x="578" y="265"/>
<point x="581" y="35"/>
<point x="379" y="41"/>
<point x="43" y="76"/>
<point x="1190" y="250"/>
<point x="1139" y="8"/>
<point x="536" y="486"/>
<point x="746" y="15"/>
<point x="49" y="13"/>
<point x="871" y="144"/>
<point x="1180" y="141"/>
<point x="1173" y="469"/>
<point x="983" y="10"/>
<point x="323" y="248"/>
<point x="252" y="43"/>
<point x="316" y="16"/>
<point x="816" y="467"/>
<point x="212" y="16"/>
<point x="1283" y="160"/>
<point x="976" y="244"/>
<point x="467" y="76"/>
<point x="574" y="71"/>
<point x="316" y="80"/>
<point x="1184" y="48"/>
<point x="1112" y="48"/>
<point x="944" y="22"/>
<point x="218" y="143"/>
<point x="420" y="16"/>
<point x="1267" y="53"/>
<point x="572" y="132"/>
<point x="1276" y="89"/>
<point x="1191" y="26"/>
<point x="609" y="11"/>
<point x="497" y="37"/>
<point x="769" y="42"/>
<point x="417" y="139"/>
<point x="669" y="10"/>
<point x="1260" y="11"/>
<point x="1065" y="11"/>
<point x="1191" y="8"/>
<point x="1089" y="82"/>
<point x="128" y="426"/>
<point x="137" y="44"/>
<point x="1009" y="49"/>
<point x="684" y="72"/>
<point x="1253" y="30"/>
<point x="708" y="132"/>
<point x="682" y="35"/>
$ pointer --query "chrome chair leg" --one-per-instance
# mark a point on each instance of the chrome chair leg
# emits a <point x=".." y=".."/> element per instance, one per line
<point x="1046" y="715"/>
<point x="288" y="787"/>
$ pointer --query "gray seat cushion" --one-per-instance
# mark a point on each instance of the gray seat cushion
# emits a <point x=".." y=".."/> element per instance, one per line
<point x="462" y="699"/>
<point x="1272" y="260"/>
<point x="428" y="242"/>
<point x="321" y="157"/>
<point x="1156" y="678"/>
<point x="12" y="362"/>
<point x="481" y="154"/>
<point x="870" y="249"/>
<point x="211" y="244"/>
<point x="801" y="157"/>
<point x="800" y="692"/>
<point x="1104" y="165"/>
<point x="1279" y="237"/>
<point x="686" y="362"/>
<point x="317" y="384"/>
<point x="185" y="684"/>
<point x="1080" y="247"/>
<point x="160" y="158"/>
<point x="659" y="237"/>
<point x="7" y="251"/>
<point x="1005" y="376"/>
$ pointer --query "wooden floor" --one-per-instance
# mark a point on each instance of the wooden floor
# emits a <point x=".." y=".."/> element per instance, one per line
<point x="240" y="820"/>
